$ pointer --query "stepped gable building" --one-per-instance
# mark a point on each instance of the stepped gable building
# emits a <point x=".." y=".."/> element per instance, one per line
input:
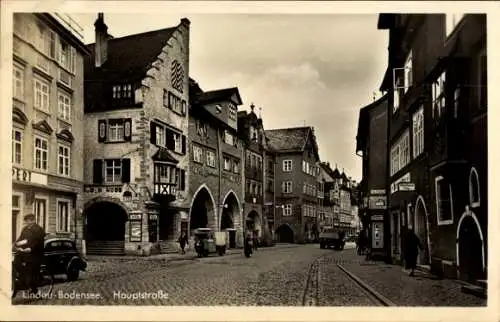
<point x="437" y="86"/>
<point x="371" y="145"/>
<point x="47" y="127"/>
<point x="297" y="157"/>
<point x="215" y="163"/>
<point x="136" y="125"/>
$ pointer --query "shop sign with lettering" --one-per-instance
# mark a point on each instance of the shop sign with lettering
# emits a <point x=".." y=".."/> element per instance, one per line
<point x="135" y="216"/>
<point x="378" y="202"/>
<point x="395" y="184"/>
<point x="28" y="176"/>
<point x="377" y="192"/>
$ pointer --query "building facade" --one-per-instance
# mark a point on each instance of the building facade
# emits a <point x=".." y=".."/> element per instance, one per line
<point x="136" y="126"/>
<point x="269" y="209"/>
<point x="215" y="164"/>
<point x="258" y="174"/>
<point x="297" y="157"/>
<point x="47" y="133"/>
<point x="326" y="176"/>
<point x="371" y="145"/>
<point x="437" y="136"/>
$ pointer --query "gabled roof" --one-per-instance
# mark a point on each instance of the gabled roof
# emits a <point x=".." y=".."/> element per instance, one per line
<point x="128" y="57"/>
<point x="363" y="122"/>
<point x="336" y="174"/>
<point x="219" y="95"/>
<point x="290" y="139"/>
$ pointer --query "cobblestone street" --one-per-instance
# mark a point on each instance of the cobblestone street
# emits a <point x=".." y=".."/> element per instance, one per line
<point x="291" y="275"/>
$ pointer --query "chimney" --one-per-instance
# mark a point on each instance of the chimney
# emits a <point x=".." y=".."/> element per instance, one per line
<point x="101" y="41"/>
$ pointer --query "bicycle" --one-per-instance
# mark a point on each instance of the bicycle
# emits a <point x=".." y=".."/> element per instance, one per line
<point x="44" y="278"/>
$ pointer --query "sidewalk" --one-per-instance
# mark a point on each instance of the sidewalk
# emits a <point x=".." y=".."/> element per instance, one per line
<point x="176" y="256"/>
<point x="424" y="289"/>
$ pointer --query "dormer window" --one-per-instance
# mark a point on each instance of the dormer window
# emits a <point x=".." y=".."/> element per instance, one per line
<point x="122" y="91"/>
<point x="232" y="112"/>
<point x="253" y="134"/>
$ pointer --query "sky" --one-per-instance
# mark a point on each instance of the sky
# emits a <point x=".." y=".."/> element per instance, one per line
<point x="314" y="70"/>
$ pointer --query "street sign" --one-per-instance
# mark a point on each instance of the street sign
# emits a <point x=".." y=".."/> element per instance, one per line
<point x="377" y="192"/>
<point x="406" y="186"/>
<point x="377" y="202"/>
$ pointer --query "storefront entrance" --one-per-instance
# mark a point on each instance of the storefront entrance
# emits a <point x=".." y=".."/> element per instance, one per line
<point x="105" y="228"/>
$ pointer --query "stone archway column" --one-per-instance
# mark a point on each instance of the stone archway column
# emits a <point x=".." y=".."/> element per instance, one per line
<point x="238" y="225"/>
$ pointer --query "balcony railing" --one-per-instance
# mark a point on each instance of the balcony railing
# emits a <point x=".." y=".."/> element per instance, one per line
<point x="165" y="191"/>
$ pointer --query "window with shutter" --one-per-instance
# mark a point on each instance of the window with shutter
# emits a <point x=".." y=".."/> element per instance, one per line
<point x="170" y="144"/>
<point x="182" y="184"/>
<point x="97" y="172"/>
<point x="153" y="132"/>
<point x="102" y="127"/>
<point x="126" y="170"/>
<point x="127" y="133"/>
<point x="183" y="144"/>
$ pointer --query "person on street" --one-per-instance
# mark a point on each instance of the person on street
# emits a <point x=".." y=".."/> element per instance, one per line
<point x="255" y="241"/>
<point x="183" y="240"/>
<point x="412" y="246"/>
<point x="360" y="244"/>
<point x="30" y="251"/>
<point x="247" y="245"/>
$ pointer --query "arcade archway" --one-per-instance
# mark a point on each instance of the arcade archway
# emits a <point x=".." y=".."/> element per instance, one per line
<point x="285" y="234"/>
<point x="202" y="213"/>
<point x="105" y="228"/>
<point x="421" y="230"/>
<point x="230" y="217"/>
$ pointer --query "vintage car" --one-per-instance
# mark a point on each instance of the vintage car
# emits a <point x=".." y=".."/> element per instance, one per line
<point x="207" y="242"/>
<point x="62" y="257"/>
<point x="331" y="238"/>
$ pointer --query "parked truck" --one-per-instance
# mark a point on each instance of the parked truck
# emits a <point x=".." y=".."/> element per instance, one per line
<point x="331" y="238"/>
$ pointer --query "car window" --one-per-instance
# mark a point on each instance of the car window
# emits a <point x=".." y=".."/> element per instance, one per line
<point x="55" y="245"/>
<point x="59" y="245"/>
<point x="68" y="245"/>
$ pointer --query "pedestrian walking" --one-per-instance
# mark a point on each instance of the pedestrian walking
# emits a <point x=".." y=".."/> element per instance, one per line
<point x="30" y="250"/>
<point x="412" y="246"/>
<point x="183" y="240"/>
<point x="247" y="246"/>
<point x="255" y="241"/>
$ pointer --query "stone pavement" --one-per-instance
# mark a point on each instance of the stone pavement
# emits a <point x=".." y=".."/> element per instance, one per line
<point x="294" y="275"/>
<point x="393" y="282"/>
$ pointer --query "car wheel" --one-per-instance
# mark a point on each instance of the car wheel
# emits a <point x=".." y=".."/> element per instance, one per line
<point x="72" y="274"/>
<point x="322" y="246"/>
